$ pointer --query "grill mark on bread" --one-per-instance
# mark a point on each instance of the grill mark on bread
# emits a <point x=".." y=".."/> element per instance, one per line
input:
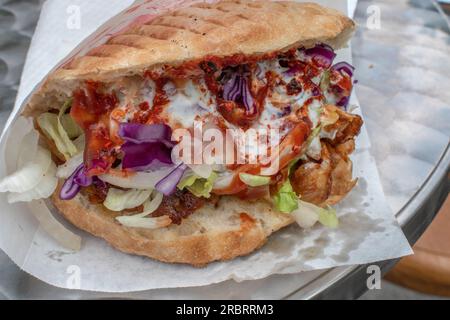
<point x="199" y="18"/>
<point x="331" y="28"/>
<point x="254" y="5"/>
<point x="223" y="9"/>
<point x="180" y="28"/>
<point x="109" y="50"/>
<point x="160" y="33"/>
<point x="243" y="17"/>
<point x="126" y="40"/>
<point x="210" y="7"/>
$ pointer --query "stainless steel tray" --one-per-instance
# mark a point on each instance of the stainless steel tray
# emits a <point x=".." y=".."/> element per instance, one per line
<point x="403" y="74"/>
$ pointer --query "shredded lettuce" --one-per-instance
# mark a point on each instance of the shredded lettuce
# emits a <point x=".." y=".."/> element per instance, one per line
<point x="70" y="126"/>
<point x="286" y="200"/>
<point x="328" y="217"/>
<point x="325" y="81"/>
<point x="118" y="200"/>
<point x="187" y="181"/>
<point x="308" y="214"/>
<point x="52" y="126"/>
<point x="254" y="180"/>
<point x="198" y="186"/>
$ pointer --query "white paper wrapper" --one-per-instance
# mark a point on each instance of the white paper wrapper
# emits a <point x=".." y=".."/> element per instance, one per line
<point x="368" y="231"/>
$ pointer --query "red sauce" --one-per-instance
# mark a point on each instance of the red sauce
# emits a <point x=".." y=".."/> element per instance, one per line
<point x="160" y="100"/>
<point x="91" y="109"/>
<point x="342" y="82"/>
<point x="236" y="185"/>
<point x="216" y="63"/>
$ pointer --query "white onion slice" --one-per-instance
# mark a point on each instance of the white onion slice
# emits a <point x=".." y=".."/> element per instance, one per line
<point x="137" y="180"/>
<point x="43" y="190"/>
<point x="65" y="171"/>
<point x="202" y="170"/>
<point x="223" y="181"/>
<point x="152" y="205"/>
<point x="140" y="220"/>
<point x="29" y="176"/>
<point x="118" y="200"/>
<point x="80" y="142"/>
<point x="28" y="148"/>
<point x="53" y="227"/>
<point x="306" y="216"/>
<point x="19" y="129"/>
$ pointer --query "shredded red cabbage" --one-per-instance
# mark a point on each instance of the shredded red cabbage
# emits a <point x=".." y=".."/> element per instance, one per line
<point x="147" y="146"/>
<point x="145" y="156"/>
<point x="139" y="133"/>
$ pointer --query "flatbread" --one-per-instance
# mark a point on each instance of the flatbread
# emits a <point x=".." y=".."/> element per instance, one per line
<point x="234" y="227"/>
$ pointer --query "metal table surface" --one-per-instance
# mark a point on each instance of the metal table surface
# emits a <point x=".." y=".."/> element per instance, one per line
<point x="403" y="72"/>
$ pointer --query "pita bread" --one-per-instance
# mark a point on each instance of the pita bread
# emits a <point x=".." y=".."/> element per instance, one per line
<point x="234" y="227"/>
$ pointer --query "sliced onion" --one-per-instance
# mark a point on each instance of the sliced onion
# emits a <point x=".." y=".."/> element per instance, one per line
<point x="53" y="227"/>
<point x="29" y="175"/>
<point x="168" y="185"/>
<point x="80" y="142"/>
<point x="136" y="180"/>
<point x="118" y="200"/>
<point x="28" y="148"/>
<point x="202" y="170"/>
<point x="306" y="216"/>
<point x="19" y="129"/>
<point x="224" y="180"/>
<point x="64" y="171"/>
<point x="152" y="205"/>
<point x="322" y="54"/>
<point x="345" y="67"/>
<point x="43" y="190"/>
<point x="140" y="133"/>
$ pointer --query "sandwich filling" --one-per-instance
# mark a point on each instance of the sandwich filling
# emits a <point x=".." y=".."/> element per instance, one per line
<point x="118" y="143"/>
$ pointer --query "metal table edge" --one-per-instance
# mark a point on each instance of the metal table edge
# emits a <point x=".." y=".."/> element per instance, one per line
<point x="426" y="202"/>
